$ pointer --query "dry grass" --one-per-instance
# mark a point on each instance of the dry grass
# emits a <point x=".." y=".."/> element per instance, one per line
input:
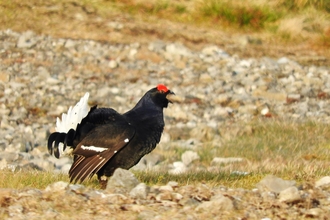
<point x="299" y="33"/>
<point x="294" y="20"/>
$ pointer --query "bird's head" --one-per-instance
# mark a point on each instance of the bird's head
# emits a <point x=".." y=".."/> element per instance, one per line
<point x="161" y="95"/>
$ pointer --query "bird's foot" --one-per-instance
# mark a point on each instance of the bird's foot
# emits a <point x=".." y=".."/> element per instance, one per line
<point x="103" y="180"/>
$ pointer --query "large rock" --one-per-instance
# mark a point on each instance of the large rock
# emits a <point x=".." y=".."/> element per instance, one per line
<point x="122" y="180"/>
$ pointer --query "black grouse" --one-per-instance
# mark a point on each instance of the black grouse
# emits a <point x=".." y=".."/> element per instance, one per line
<point x="102" y="140"/>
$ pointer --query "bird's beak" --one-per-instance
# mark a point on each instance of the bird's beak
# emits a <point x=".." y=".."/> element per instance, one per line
<point x="171" y="97"/>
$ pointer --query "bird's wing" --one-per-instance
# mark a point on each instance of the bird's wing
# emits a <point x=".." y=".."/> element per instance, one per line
<point x="100" y="144"/>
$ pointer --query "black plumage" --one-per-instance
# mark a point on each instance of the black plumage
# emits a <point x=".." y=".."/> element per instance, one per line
<point x="105" y="140"/>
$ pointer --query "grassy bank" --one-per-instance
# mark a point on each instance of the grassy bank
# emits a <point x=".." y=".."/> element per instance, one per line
<point x="293" y="20"/>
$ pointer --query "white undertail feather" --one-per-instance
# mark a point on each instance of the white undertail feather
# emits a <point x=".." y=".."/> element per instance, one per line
<point x="74" y="115"/>
<point x="67" y="152"/>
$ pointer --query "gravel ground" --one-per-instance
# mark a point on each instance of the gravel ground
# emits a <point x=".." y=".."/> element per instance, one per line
<point x="41" y="76"/>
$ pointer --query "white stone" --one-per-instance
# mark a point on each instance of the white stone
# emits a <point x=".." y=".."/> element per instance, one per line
<point x="274" y="184"/>
<point x="189" y="156"/>
<point x="289" y="195"/>
<point x="225" y="160"/>
<point x="323" y="182"/>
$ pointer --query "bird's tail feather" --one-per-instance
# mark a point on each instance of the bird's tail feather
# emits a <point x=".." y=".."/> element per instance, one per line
<point x="58" y="142"/>
<point x="73" y="117"/>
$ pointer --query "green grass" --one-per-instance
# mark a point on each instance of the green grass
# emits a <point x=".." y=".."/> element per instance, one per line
<point x="281" y="139"/>
<point x="33" y="179"/>
<point x="242" y="16"/>
<point x="290" y="150"/>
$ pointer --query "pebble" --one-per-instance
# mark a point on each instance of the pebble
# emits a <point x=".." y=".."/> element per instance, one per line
<point x="289" y="195"/>
<point x="274" y="184"/>
<point x="225" y="160"/>
<point x="177" y="167"/>
<point x="189" y="156"/>
<point x="218" y="202"/>
<point x="324" y="182"/>
<point x="140" y="191"/>
<point x="57" y="187"/>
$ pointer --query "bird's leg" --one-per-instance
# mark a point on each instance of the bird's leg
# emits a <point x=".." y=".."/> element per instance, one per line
<point x="103" y="180"/>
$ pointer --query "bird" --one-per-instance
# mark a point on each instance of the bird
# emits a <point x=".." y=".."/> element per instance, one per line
<point x="102" y="140"/>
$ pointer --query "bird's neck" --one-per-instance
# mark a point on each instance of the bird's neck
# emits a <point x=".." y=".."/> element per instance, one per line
<point x="146" y="112"/>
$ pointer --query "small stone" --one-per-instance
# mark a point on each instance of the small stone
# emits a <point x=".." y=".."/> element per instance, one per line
<point x="13" y="210"/>
<point x="4" y="77"/>
<point x="268" y="195"/>
<point x="3" y="164"/>
<point x="65" y="168"/>
<point x="225" y="160"/>
<point x="219" y="201"/>
<point x="294" y="96"/>
<point x="116" y="198"/>
<point x="115" y="25"/>
<point x="69" y="43"/>
<point x="205" y="78"/>
<point x="173" y="184"/>
<point x="26" y="40"/>
<point x="269" y="95"/>
<point x="178" y="167"/>
<point x="283" y="60"/>
<point x="177" y="49"/>
<point x="149" y="161"/>
<point x="189" y="156"/>
<point x="314" y="212"/>
<point x="289" y="195"/>
<point x="274" y="184"/>
<point x="57" y="187"/>
<point x="324" y="182"/>
<point x="148" y="215"/>
<point x="264" y="111"/>
<point x="176" y="197"/>
<point x="164" y="196"/>
<point x="113" y="64"/>
<point x="166" y="188"/>
<point x="140" y="191"/>
<point x="201" y="193"/>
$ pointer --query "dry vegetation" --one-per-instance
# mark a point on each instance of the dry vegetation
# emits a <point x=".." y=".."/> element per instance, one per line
<point x="297" y="28"/>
